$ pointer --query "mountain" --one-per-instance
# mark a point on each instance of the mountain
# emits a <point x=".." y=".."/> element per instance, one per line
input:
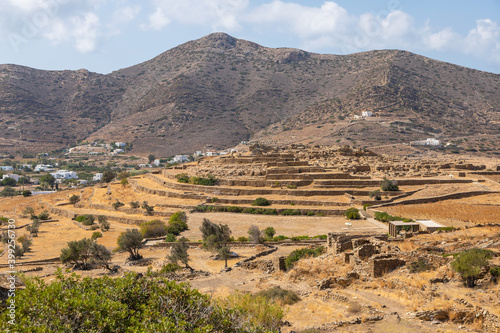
<point x="218" y="90"/>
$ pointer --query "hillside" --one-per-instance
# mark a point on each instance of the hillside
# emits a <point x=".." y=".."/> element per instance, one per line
<point x="218" y="90"/>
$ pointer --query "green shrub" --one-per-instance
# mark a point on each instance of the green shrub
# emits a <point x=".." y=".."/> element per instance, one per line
<point x="388" y="185"/>
<point x="95" y="235"/>
<point x="310" y="213"/>
<point x="282" y="296"/>
<point x="43" y="215"/>
<point x="261" y="202"/>
<point x="135" y="204"/>
<point x="290" y="212"/>
<point x="74" y="199"/>
<point x="103" y="222"/>
<point x="154" y="228"/>
<point x="446" y="229"/>
<point x="291" y="186"/>
<point x="365" y="206"/>
<point x="385" y="217"/>
<point x="470" y="263"/>
<point x="375" y="195"/>
<point x="269" y="232"/>
<point x="170" y="238"/>
<point x="177" y="223"/>
<point x="168" y="268"/>
<point x="301" y="253"/>
<point x="117" y="204"/>
<point x="279" y="238"/>
<point x="85" y="219"/>
<point x="242" y="239"/>
<point x="352" y="214"/>
<point x="495" y="271"/>
<point x="134" y="304"/>
<point x="296" y="238"/>
<point x="210" y="180"/>
<point x="182" y="178"/>
<point x="321" y="237"/>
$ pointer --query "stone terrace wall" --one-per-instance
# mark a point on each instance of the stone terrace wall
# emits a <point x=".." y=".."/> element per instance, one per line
<point x="436" y="199"/>
<point x="384" y="263"/>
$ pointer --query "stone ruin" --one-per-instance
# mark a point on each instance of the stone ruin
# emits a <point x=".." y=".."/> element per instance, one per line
<point x="371" y="255"/>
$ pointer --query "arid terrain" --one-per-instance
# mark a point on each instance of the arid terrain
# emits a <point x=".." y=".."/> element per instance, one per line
<point x="366" y="281"/>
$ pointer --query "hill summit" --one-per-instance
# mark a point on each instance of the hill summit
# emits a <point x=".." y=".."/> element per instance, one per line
<point x="219" y="90"/>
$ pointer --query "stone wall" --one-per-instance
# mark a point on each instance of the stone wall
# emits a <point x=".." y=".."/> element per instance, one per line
<point x="384" y="263"/>
<point x="459" y="195"/>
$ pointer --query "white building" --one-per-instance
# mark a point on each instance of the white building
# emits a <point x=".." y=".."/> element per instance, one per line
<point x="120" y="144"/>
<point x="432" y="142"/>
<point x="43" y="167"/>
<point x="97" y="177"/>
<point x="211" y="153"/>
<point x="198" y="153"/>
<point x="156" y="162"/>
<point x="11" y="175"/>
<point x="366" y="114"/>
<point x="6" y="168"/>
<point x="64" y="174"/>
<point x="181" y="158"/>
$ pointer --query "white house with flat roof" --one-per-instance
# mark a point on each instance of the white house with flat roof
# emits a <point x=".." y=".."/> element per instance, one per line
<point x="6" y="168"/>
<point x="97" y="177"/>
<point x="181" y="158"/>
<point x="64" y="174"/>
<point x="44" y="167"/>
<point x="11" y="175"/>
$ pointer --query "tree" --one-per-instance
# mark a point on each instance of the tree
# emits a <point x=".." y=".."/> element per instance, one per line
<point x="124" y="182"/>
<point x="8" y="192"/>
<point x="26" y="193"/>
<point x="74" y="199"/>
<point x="117" y="204"/>
<point x="149" y="209"/>
<point x="108" y="176"/>
<point x="269" y="232"/>
<point x="48" y="179"/>
<point x="84" y="252"/>
<point x="179" y="252"/>
<point x="216" y="238"/>
<point x="33" y="228"/>
<point x="29" y="210"/>
<point x="131" y="241"/>
<point x="7" y="181"/>
<point x="375" y="195"/>
<point x="388" y="185"/>
<point x="254" y="234"/>
<point x="135" y="204"/>
<point x="154" y="228"/>
<point x="469" y="264"/>
<point x="151" y="158"/>
<point x="103" y="222"/>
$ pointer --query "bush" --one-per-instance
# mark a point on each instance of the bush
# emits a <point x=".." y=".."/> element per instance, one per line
<point x="290" y="212"/>
<point x="301" y="253"/>
<point x="43" y="215"/>
<point x="469" y="265"/>
<point x="310" y="213"/>
<point x="26" y="193"/>
<point x="254" y="234"/>
<point x="291" y="186"/>
<point x="261" y="202"/>
<point x="170" y="238"/>
<point x="95" y="235"/>
<point x="85" y="219"/>
<point x="446" y="229"/>
<point x="365" y="206"/>
<point x="135" y="204"/>
<point x="375" y="195"/>
<point x="74" y="199"/>
<point x="117" y="204"/>
<point x="149" y="209"/>
<point x="33" y="228"/>
<point x="388" y="185"/>
<point x="282" y="296"/>
<point x="352" y="214"/>
<point x="177" y="223"/>
<point x="103" y="222"/>
<point x="154" y="228"/>
<point x="242" y="239"/>
<point x="210" y="180"/>
<point x="495" y="271"/>
<point x="182" y="178"/>
<point x="269" y="232"/>
<point x="385" y="217"/>
<point x="279" y="238"/>
<point x="134" y="304"/>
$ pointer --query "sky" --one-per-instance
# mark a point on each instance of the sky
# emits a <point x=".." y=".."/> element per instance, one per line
<point x="106" y="35"/>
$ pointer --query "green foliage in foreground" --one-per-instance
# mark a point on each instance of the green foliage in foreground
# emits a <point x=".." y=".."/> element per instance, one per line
<point x="352" y="214"/>
<point x="133" y="304"/>
<point x="469" y="264"/>
<point x="302" y="253"/>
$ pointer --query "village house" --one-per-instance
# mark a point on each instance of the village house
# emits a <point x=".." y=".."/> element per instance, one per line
<point x="6" y="168"/>
<point x="11" y="175"/>
<point x="97" y="177"/>
<point x="44" y="167"/>
<point x="64" y="174"/>
<point x="181" y="158"/>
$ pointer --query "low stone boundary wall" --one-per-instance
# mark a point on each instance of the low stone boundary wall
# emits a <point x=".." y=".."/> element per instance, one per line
<point x="459" y="195"/>
<point x="255" y="256"/>
<point x="34" y="262"/>
<point x="277" y="202"/>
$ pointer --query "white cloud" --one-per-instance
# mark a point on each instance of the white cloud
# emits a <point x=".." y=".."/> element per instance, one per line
<point x="157" y="20"/>
<point x="217" y="14"/>
<point x="445" y="39"/>
<point x="126" y="14"/>
<point x="86" y="32"/>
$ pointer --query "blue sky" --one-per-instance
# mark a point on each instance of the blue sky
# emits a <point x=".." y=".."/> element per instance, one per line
<point x="106" y="35"/>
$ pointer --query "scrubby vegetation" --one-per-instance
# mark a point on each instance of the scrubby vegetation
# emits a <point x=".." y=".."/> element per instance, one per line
<point x="352" y="214"/>
<point x="261" y="202"/>
<point x="282" y="296"/>
<point x="469" y="264"/>
<point x="134" y="304"/>
<point x="388" y="185"/>
<point x="209" y="180"/>
<point x="302" y="253"/>
<point x="154" y="228"/>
